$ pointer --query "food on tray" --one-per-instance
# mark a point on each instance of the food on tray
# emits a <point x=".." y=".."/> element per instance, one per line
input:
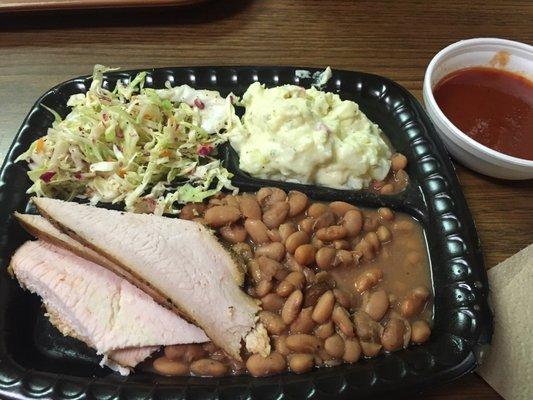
<point x="325" y="283"/>
<point x="492" y="106"/>
<point x="85" y="301"/>
<point x="180" y="259"/>
<point x="153" y="149"/>
<point x="132" y="145"/>
<point x="336" y="282"/>
<point x="264" y="281"/>
<point x="302" y="135"/>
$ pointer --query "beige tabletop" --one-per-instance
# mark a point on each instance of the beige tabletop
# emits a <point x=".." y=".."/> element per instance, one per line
<point x="395" y="39"/>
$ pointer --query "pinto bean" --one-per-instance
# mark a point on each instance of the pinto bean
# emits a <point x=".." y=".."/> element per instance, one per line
<point x="372" y="239"/>
<point x="272" y="302"/>
<point x="387" y="189"/>
<point x="263" y="288"/>
<point x="297" y="202"/>
<point x="296" y="240"/>
<point x="175" y="352"/>
<point x="264" y="366"/>
<point x="317" y="209"/>
<point x="343" y="258"/>
<point x="209" y="367"/>
<point x="305" y="254"/>
<point x="297" y="279"/>
<point x="292" y="306"/>
<point x="366" y="328"/>
<point x="392" y="336"/>
<point x="331" y="233"/>
<point x="365" y="249"/>
<point x="274" y="235"/>
<point x="323" y="221"/>
<point x="301" y="362"/>
<point x="285" y="288"/>
<point x="292" y="264"/>
<point x="268" y="267"/>
<point x="303" y="343"/>
<point x="317" y="243"/>
<point x="276" y="214"/>
<point x="352" y="350"/>
<point x="303" y="322"/>
<point x="263" y="195"/>
<point x="285" y="230"/>
<point x="222" y="215"/>
<point x="275" y="251"/>
<point x="353" y="222"/>
<point x="398" y="162"/>
<point x="281" y="274"/>
<point x="420" y="331"/>
<point x="386" y="214"/>
<point x="249" y="206"/>
<point x="192" y="210"/>
<point x="270" y="195"/>
<point x="342" y="297"/>
<point x="341" y="319"/>
<point x="280" y="345"/>
<point x="324" y="308"/>
<point x="376" y="304"/>
<point x="257" y="231"/>
<point x="414" y="302"/>
<point x="325" y="330"/>
<point x="254" y="270"/>
<point x="384" y="234"/>
<point x="371" y="222"/>
<point x="278" y="195"/>
<point x="233" y="233"/>
<point x="334" y="346"/>
<point x="307" y="225"/>
<point x="340" y="208"/>
<point x="341" y="244"/>
<point x="324" y="257"/>
<point x="313" y="293"/>
<point x="272" y="322"/>
<point x="231" y="200"/>
<point x="368" y="279"/>
<point x="168" y="367"/>
<point x="370" y="349"/>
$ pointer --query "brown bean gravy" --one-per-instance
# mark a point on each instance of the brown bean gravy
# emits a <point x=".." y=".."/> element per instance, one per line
<point x="337" y="283"/>
<point x="403" y="260"/>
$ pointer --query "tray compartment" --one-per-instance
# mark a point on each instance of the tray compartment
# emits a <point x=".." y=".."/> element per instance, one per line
<point x="35" y="360"/>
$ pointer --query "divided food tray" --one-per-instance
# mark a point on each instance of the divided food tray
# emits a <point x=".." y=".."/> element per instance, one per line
<point x="37" y="361"/>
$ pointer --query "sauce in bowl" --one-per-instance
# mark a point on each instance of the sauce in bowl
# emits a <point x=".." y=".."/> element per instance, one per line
<point x="492" y="106"/>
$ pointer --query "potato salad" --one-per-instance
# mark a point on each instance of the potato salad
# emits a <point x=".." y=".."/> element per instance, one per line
<point x="308" y="136"/>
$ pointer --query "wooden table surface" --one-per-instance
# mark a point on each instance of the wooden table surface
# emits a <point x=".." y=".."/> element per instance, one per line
<point x="393" y="39"/>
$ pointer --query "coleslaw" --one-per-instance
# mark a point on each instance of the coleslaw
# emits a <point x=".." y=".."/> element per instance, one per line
<point x="151" y="149"/>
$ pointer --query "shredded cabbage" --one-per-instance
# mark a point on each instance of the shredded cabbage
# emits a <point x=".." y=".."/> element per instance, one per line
<point x="151" y="149"/>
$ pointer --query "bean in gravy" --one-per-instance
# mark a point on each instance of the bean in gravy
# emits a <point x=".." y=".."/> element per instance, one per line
<point x="336" y="282"/>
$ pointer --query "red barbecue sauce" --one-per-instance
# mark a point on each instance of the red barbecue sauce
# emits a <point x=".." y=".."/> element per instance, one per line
<point x="492" y="106"/>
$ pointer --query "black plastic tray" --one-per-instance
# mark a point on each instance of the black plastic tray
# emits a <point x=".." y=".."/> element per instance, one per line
<point x="36" y="361"/>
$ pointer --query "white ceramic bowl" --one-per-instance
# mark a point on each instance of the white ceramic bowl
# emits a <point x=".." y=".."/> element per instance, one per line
<point x="470" y="53"/>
